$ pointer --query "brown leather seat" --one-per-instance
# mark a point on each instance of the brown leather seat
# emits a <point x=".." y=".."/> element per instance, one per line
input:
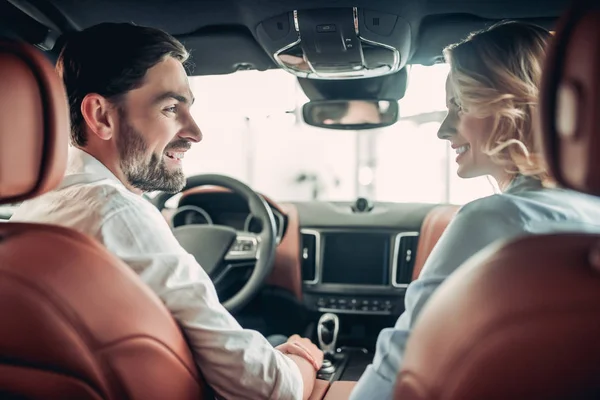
<point x="75" y="322"/>
<point x="434" y="224"/>
<point x="522" y="320"/>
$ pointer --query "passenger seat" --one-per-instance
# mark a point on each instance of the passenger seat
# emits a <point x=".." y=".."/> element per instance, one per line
<point x="521" y="320"/>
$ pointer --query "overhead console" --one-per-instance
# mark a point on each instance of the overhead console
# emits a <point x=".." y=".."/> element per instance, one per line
<point x="337" y="43"/>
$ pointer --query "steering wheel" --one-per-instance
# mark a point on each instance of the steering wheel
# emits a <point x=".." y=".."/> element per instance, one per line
<point x="221" y="250"/>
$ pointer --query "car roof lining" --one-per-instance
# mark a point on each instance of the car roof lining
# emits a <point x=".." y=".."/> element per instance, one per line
<point x="229" y="24"/>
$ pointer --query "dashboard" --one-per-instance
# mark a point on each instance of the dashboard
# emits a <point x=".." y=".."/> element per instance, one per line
<point x="356" y="271"/>
<point x="360" y="260"/>
<point x="332" y="256"/>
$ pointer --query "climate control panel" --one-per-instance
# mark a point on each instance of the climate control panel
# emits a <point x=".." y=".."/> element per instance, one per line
<point x="374" y="305"/>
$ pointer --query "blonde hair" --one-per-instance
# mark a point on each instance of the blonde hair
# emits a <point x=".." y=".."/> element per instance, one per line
<point x="497" y="73"/>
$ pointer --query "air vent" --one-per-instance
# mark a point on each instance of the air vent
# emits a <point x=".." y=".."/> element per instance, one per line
<point x="406" y="251"/>
<point x="308" y="256"/>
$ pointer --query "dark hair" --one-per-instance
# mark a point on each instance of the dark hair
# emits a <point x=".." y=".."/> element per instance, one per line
<point x="110" y="59"/>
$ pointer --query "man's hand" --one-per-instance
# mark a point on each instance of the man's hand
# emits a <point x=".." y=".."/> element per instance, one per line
<point x="304" y="348"/>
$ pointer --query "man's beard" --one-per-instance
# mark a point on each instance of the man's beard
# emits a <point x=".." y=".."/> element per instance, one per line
<point x="141" y="173"/>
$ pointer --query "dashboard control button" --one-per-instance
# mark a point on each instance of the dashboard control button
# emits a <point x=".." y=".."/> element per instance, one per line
<point x="348" y="305"/>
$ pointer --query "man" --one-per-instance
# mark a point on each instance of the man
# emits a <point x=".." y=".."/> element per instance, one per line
<point x="131" y="126"/>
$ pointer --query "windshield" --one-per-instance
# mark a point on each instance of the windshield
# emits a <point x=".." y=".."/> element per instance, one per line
<point x="253" y="131"/>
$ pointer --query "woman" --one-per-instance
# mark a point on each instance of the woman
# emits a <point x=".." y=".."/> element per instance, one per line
<point x="492" y="95"/>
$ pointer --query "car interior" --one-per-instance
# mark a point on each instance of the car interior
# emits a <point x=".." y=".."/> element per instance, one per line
<point x="517" y="321"/>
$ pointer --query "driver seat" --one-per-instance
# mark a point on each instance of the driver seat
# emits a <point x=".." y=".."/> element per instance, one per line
<point x="520" y="320"/>
<point x="76" y="322"/>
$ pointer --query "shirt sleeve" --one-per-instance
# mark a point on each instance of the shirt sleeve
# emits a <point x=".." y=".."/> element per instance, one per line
<point x="237" y="363"/>
<point x="475" y="226"/>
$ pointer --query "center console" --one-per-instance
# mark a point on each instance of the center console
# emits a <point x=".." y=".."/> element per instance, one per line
<point x="354" y="271"/>
<point x="355" y="279"/>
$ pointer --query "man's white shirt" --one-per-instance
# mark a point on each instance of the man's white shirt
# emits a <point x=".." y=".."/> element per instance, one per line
<point x="238" y="363"/>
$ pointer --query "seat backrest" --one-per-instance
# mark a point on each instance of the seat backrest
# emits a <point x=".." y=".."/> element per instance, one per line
<point x="434" y="224"/>
<point x="520" y="320"/>
<point x="75" y="322"/>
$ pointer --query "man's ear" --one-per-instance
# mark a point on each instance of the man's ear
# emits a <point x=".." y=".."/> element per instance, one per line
<point x="99" y="115"/>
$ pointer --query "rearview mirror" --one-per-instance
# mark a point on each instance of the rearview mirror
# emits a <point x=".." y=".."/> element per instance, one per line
<point x="350" y="114"/>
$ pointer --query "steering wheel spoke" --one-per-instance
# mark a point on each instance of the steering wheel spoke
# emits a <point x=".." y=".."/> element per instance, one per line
<point x="239" y="262"/>
<point x="230" y="272"/>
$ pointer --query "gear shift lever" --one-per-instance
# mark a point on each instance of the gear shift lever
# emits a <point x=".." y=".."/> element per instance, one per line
<point x="327" y="332"/>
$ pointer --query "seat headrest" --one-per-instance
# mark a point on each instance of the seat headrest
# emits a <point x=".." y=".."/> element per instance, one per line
<point x="570" y="100"/>
<point x="34" y="123"/>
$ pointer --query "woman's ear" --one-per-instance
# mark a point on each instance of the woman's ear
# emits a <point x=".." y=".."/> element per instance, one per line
<point x="98" y="112"/>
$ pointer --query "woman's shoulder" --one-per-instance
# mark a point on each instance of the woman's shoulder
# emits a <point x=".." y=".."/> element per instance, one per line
<point x="497" y="205"/>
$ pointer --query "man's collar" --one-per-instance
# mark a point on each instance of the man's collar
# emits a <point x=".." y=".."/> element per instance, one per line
<point x="82" y="167"/>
